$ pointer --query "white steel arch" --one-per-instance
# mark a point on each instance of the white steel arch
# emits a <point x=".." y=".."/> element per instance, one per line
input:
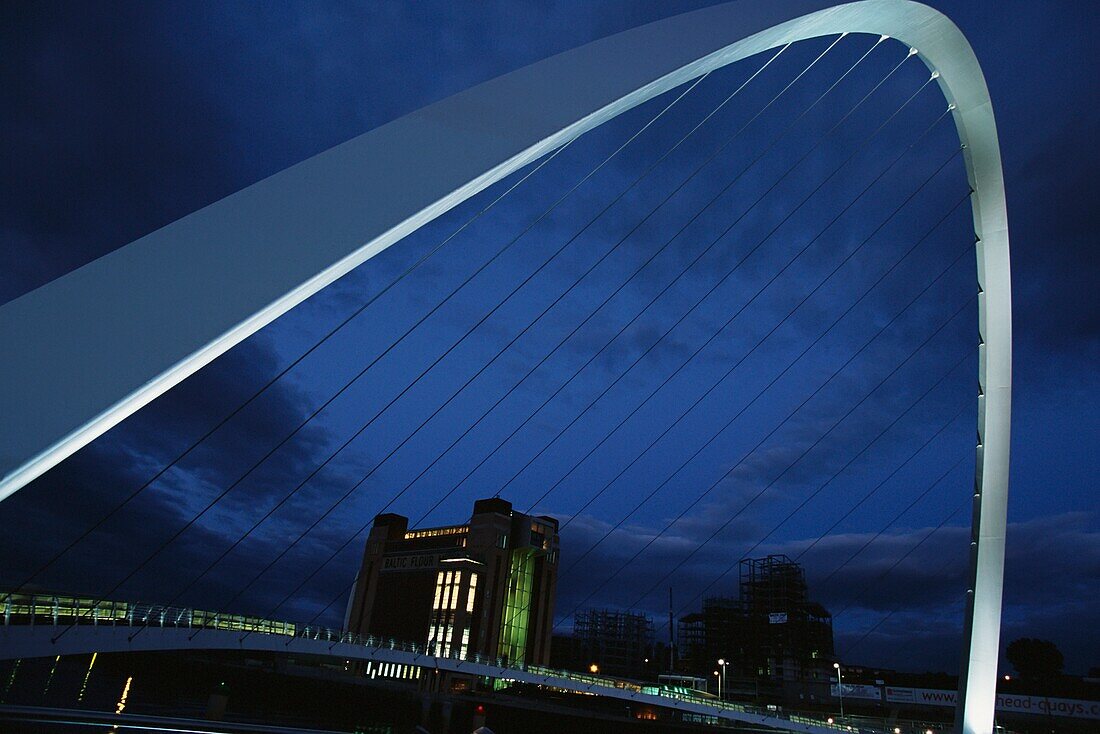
<point x="86" y="350"/>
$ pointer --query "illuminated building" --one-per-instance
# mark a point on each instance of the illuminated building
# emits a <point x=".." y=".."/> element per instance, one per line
<point x="485" y="587"/>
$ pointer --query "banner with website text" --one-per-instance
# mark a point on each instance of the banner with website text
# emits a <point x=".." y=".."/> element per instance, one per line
<point x="1006" y="702"/>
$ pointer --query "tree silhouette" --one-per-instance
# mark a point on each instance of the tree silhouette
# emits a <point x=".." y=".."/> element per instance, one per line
<point x="1036" y="660"/>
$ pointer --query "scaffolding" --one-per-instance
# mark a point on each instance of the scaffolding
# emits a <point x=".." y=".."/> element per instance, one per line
<point x="772" y="585"/>
<point x="772" y="630"/>
<point x="619" y="642"/>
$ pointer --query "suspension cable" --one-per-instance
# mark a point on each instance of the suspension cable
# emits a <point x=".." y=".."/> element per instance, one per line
<point x="750" y="453"/>
<point x="232" y="414"/>
<point x="875" y="231"/>
<point x="699" y="546"/>
<point x="592" y="267"/>
<point x="729" y="321"/>
<point x="668" y="197"/>
<point x="763" y="339"/>
<point x="867" y="587"/>
<point x="594" y="311"/>
<point x="773" y="381"/>
<point x="577" y="281"/>
<point x="836" y="321"/>
<point x="376" y="359"/>
<point x="576" y="373"/>
<point x="883" y="482"/>
<point x="697" y="302"/>
<point x="897" y="368"/>
<point x="896" y="563"/>
<point x="888" y="525"/>
<point x="925" y="624"/>
<point x="332" y="455"/>
<point x="562" y="341"/>
<point x="867" y="140"/>
<point x="795" y="511"/>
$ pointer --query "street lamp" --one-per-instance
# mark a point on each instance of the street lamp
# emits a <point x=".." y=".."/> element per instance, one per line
<point x="593" y="668"/>
<point x="718" y="677"/>
<point x="839" y="689"/>
<point x="722" y="663"/>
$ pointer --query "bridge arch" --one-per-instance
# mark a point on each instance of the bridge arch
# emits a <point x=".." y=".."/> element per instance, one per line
<point x="90" y="348"/>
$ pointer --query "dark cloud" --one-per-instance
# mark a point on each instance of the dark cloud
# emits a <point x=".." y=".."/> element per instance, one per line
<point x="905" y="588"/>
<point x="84" y="489"/>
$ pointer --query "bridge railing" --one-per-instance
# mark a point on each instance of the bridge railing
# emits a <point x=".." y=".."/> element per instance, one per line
<point x="56" y="610"/>
<point x="52" y="609"/>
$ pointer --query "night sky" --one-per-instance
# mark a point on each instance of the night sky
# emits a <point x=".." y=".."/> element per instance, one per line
<point x="857" y="460"/>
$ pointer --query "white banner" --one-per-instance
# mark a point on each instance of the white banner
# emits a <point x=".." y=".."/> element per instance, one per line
<point x="1007" y="702"/>
<point x="858" y="690"/>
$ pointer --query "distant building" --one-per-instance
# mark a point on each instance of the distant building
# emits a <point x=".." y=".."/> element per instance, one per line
<point x="485" y="587"/>
<point x="619" y="643"/>
<point x="772" y="633"/>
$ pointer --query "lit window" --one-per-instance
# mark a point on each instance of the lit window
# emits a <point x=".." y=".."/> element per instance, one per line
<point x="470" y="595"/>
<point x="436" y="532"/>
<point x="438" y="590"/>
<point x="446" y="590"/>
<point x="441" y="625"/>
<point x="454" y="591"/>
<point x="465" y="643"/>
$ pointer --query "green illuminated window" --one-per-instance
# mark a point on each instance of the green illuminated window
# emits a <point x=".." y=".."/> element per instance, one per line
<point x="517" y="612"/>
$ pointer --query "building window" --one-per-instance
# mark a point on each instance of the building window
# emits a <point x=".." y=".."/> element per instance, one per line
<point x="465" y="642"/>
<point x="502" y="541"/>
<point x="471" y="593"/>
<point x="441" y="626"/>
<point x="436" y="532"/>
<point x="438" y="590"/>
<point x="517" y="603"/>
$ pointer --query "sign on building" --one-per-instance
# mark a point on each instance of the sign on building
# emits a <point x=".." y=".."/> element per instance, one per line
<point x="410" y="562"/>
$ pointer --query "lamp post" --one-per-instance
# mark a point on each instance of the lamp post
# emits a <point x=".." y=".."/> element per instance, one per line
<point x="718" y="677"/>
<point x="839" y="689"/>
<point x="722" y="663"/>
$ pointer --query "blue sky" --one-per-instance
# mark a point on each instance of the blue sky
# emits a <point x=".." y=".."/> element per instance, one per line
<point x="116" y="124"/>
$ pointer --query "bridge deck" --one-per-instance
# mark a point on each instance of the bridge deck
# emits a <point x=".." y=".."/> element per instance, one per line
<point x="42" y="626"/>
